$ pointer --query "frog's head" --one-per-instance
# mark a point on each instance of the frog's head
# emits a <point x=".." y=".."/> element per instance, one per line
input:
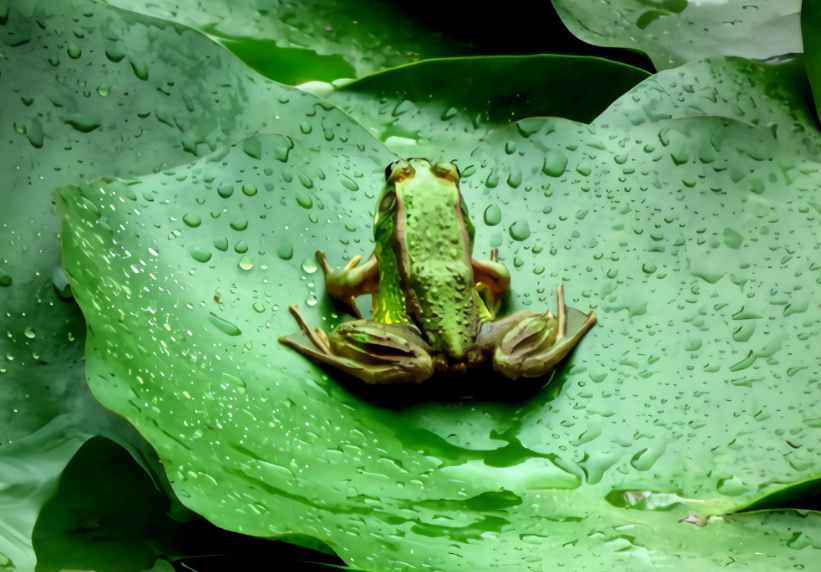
<point x="421" y="197"/>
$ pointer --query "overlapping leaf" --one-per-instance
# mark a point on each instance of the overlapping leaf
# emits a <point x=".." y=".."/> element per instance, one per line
<point x="674" y="32"/>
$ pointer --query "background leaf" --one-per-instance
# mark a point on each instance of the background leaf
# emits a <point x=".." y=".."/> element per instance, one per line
<point x="673" y="32"/>
<point x="453" y="102"/>
<point x="294" y="42"/>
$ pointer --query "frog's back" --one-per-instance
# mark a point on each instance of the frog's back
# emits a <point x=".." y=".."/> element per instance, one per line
<point x="441" y="276"/>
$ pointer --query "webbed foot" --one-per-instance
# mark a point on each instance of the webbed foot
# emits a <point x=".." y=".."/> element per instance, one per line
<point x="375" y="353"/>
<point x="536" y="343"/>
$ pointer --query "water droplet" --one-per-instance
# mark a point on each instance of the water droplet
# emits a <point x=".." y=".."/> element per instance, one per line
<point x="648" y="268"/>
<point x="259" y="307"/>
<point x="449" y="113"/>
<point x="284" y="98"/>
<point x="515" y="178"/>
<point x="304" y="200"/>
<point x="518" y="262"/>
<point x="309" y="265"/>
<point x="284" y="249"/>
<point x="492" y="179"/>
<point x="241" y="247"/>
<point x="249" y="190"/>
<point x="221" y="243"/>
<point x="74" y="51"/>
<point x="199" y="254"/>
<point x="403" y="107"/>
<point x="103" y="90"/>
<point x="245" y="263"/>
<point x="510" y="147"/>
<point x="348" y="183"/>
<point x="520" y="230"/>
<point x="61" y="284"/>
<point x="29" y="333"/>
<point x="538" y="270"/>
<point x="311" y="299"/>
<point x="305" y="127"/>
<point x="555" y="163"/>
<point x="70" y="337"/>
<point x="538" y="247"/>
<point x="252" y="147"/>
<point x="82" y="125"/>
<point x="493" y="215"/>
<point x="239" y="224"/>
<point x="305" y="180"/>
<point x="140" y="69"/>
<point x="192" y="220"/>
<point x="20" y="128"/>
<point x="282" y="146"/>
<point x="313" y="218"/>
<point x="732" y="239"/>
<point x="225" y="191"/>
<point x="224" y="326"/>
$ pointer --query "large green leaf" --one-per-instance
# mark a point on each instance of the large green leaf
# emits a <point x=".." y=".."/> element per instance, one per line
<point x="297" y="41"/>
<point x="674" y="32"/>
<point x="678" y="215"/>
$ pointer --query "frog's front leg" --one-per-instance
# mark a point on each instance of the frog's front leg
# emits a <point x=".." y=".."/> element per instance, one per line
<point x="529" y="345"/>
<point x="352" y="281"/>
<point x="492" y="279"/>
<point x="375" y="353"/>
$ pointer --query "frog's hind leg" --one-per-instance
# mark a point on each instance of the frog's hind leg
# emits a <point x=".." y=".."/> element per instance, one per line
<point x="375" y="353"/>
<point x="535" y="343"/>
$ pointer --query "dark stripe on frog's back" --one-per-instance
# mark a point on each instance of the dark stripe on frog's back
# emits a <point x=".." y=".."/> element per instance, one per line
<point x="441" y="276"/>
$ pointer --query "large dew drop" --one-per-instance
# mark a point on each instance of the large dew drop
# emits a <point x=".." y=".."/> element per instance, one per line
<point x="520" y="230"/>
<point x="493" y="215"/>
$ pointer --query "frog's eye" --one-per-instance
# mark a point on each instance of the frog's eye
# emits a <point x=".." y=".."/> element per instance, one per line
<point x="387" y="202"/>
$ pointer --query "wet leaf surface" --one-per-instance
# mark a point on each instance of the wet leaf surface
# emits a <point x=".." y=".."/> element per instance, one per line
<point x="674" y="32"/>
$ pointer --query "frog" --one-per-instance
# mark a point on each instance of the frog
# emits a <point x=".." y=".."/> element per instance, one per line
<point x="435" y="307"/>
